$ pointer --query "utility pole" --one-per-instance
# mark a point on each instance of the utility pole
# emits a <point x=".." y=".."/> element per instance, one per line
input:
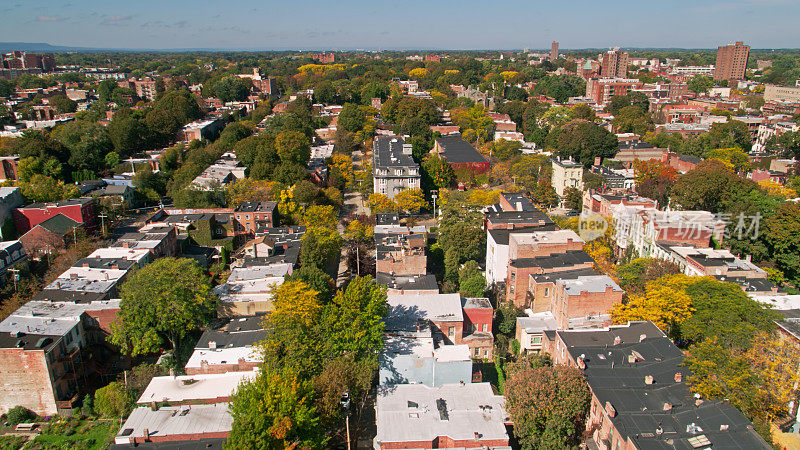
<point x="358" y="262"/>
<point x="16" y="277"/>
<point x="102" y="217"/>
<point x="74" y="234"/>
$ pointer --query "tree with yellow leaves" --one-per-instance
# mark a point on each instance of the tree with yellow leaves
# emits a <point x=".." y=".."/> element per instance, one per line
<point x="775" y="360"/>
<point x="665" y="303"/>
<point x="341" y="167"/>
<point x="777" y="189"/>
<point x="379" y="204"/>
<point x="418" y="73"/>
<point x="411" y="200"/>
<point x="248" y="189"/>
<point x="320" y="216"/>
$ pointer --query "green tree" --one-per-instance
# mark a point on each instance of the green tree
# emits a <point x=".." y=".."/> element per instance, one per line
<point x="293" y="147"/>
<point x="274" y="411"/>
<point x="351" y="118"/>
<point x="315" y="278"/>
<point x="782" y="236"/>
<point x="700" y="84"/>
<point x="547" y="405"/>
<point x="411" y="200"/>
<point x="162" y="303"/>
<point x="62" y="104"/>
<point x="585" y="141"/>
<point x="439" y="171"/>
<point x="319" y="246"/>
<point x="112" y="400"/>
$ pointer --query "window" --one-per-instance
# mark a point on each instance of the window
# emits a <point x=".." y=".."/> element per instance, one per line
<point x="536" y="339"/>
<point x="484" y="327"/>
<point x="547" y="292"/>
<point x="247" y="217"/>
<point x="452" y="332"/>
<point x="477" y="352"/>
<point x="485" y="353"/>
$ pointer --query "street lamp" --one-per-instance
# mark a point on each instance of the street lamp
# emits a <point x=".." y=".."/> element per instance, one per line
<point x="344" y="401"/>
<point x="434" y="196"/>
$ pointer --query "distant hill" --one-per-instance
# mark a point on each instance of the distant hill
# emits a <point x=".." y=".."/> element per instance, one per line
<point x="42" y="47"/>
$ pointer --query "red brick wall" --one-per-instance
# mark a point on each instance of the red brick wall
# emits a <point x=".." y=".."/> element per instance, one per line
<point x="444" y="327"/>
<point x="409" y="265"/>
<point x="583" y="304"/>
<point x="25" y="380"/>
<point x="222" y="368"/>
<point x="104" y="317"/>
<point x="516" y="251"/>
<point x="522" y="280"/>
<point x="477" y="317"/>
<point x="182" y="437"/>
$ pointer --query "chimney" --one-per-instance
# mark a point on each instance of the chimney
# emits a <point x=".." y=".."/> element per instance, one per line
<point x="617" y="340"/>
<point x="154" y="405"/>
<point x="678" y="377"/>
<point x="610" y="410"/>
<point x="642" y="337"/>
<point x="667" y="406"/>
<point x="581" y="363"/>
<point x="597" y="161"/>
<point x="146" y="434"/>
<point x="648" y="379"/>
<point x="698" y="402"/>
<point x="212" y="345"/>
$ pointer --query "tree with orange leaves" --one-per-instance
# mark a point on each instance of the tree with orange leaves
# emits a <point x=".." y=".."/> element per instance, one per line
<point x="654" y="179"/>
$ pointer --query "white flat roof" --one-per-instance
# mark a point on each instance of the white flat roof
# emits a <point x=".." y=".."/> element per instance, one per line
<point x="194" y="387"/>
<point x="223" y="356"/>
<point x="254" y="273"/>
<point x="176" y="420"/>
<point x="546" y="237"/>
<point x="411" y="412"/>
<point x="131" y="254"/>
<point x="778" y="301"/>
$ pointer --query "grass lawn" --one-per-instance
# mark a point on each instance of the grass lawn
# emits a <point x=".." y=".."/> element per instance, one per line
<point x="76" y="434"/>
<point x="12" y="442"/>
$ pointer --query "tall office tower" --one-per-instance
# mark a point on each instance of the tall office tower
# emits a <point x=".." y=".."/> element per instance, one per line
<point x="731" y="61"/>
<point x="614" y="64"/>
<point x="554" y="51"/>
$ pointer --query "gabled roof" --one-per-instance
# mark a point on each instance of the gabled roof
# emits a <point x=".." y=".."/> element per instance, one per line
<point x="59" y="224"/>
<point x="456" y="150"/>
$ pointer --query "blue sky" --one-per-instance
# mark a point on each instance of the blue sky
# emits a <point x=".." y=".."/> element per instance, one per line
<point x="448" y="24"/>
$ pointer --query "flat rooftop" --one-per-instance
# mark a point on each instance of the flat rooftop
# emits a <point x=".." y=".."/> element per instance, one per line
<point x="186" y="388"/>
<point x="175" y="421"/>
<point x="414" y="413"/>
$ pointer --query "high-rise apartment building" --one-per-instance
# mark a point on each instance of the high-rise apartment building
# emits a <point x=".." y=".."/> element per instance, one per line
<point x="554" y="51"/>
<point x="614" y="64"/>
<point x="731" y="61"/>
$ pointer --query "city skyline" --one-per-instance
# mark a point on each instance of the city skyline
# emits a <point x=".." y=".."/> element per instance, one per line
<point x="353" y="24"/>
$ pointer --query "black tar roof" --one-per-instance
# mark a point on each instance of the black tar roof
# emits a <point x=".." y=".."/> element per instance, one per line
<point x="564" y="275"/>
<point x="501" y="236"/>
<point x="522" y="217"/>
<point x="200" y="444"/>
<point x="29" y="341"/>
<point x="568" y="259"/>
<point x="105" y="263"/>
<point x="256" y="207"/>
<point x="457" y="150"/>
<point x="57" y="295"/>
<point x="238" y="332"/>
<point x="420" y="282"/>
<point x="388" y="151"/>
<point x="616" y="371"/>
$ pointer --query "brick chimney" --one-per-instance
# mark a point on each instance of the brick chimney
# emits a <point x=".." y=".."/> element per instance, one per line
<point x="678" y="377"/>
